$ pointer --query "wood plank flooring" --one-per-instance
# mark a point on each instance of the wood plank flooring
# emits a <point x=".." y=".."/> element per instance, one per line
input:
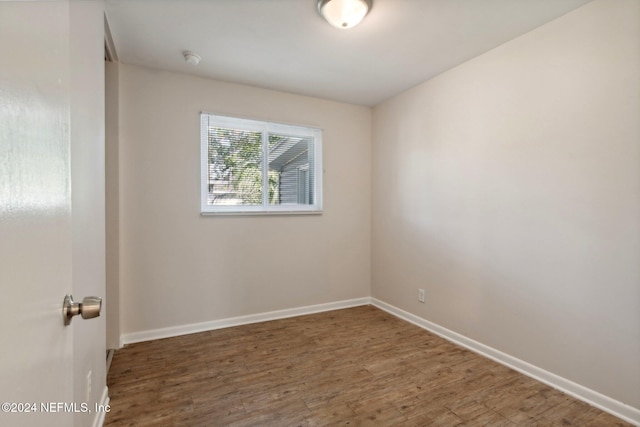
<point x="359" y="366"/>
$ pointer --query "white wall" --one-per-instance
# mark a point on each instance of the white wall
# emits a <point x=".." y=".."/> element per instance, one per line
<point x="178" y="267"/>
<point x="509" y="189"/>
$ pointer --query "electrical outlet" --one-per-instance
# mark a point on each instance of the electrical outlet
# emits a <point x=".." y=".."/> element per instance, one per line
<point x="421" y="295"/>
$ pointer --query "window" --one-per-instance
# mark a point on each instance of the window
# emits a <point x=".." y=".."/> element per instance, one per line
<point x="249" y="166"/>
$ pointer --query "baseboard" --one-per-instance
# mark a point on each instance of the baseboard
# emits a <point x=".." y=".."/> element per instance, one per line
<point x="174" y="331"/>
<point x="110" y="354"/>
<point x="100" y="415"/>
<point x="600" y="401"/>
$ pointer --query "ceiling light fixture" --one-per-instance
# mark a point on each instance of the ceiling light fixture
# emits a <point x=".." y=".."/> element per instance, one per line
<point x="344" y="13"/>
<point x="191" y="58"/>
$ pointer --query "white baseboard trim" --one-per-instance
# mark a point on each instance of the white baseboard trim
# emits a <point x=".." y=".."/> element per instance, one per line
<point x="600" y="401"/>
<point x="98" y="421"/>
<point x="174" y="331"/>
<point x="110" y="354"/>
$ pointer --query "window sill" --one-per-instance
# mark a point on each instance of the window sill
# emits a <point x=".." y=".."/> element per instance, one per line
<point x="261" y="213"/>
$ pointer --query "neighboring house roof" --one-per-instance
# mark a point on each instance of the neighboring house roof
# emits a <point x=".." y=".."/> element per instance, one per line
<point x="286" y="151"/>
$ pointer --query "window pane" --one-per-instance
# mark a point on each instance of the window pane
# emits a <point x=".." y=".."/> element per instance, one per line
<point x="291" y="171"/>
<point x="234" y="167"/>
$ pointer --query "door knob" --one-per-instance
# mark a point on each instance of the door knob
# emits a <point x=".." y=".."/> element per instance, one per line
<point x="88" y="308"/>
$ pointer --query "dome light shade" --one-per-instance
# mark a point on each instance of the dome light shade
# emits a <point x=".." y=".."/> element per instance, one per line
<point x="344" y="13"/>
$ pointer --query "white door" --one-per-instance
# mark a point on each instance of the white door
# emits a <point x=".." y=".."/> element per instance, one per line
<point x="36" y="349"/>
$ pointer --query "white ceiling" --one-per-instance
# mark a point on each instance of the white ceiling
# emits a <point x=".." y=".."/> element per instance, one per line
<point x="285" y="45"/>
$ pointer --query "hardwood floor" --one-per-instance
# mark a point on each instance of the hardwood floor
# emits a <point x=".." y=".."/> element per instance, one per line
<point x="359" y="366"/>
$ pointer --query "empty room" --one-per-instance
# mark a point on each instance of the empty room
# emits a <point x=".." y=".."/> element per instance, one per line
<point x="320" y="212"/>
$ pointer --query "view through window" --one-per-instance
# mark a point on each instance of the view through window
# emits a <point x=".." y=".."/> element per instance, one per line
<point x="251" y="166"/>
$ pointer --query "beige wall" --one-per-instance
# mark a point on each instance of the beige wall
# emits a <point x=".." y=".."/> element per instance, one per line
<point x="178" y="267"/>
<point x="509" y="189"/>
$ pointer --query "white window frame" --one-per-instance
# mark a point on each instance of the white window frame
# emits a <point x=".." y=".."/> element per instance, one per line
<point x="266" y="128"/>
